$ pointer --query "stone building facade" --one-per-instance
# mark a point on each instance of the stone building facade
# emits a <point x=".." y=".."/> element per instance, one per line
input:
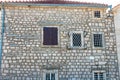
<point x="57" y="41"/>
<point x="116" y="11"/>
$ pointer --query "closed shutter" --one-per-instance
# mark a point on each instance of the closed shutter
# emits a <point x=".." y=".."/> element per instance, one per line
<point x="50" y="36"/>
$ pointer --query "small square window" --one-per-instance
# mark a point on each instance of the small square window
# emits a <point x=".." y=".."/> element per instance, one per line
<point x="50" y="36"/>
<point x="98" y="75"/>
<point x="97" y="14"/>
<point x="98" y="40"/>
<point x="76" y="39"/>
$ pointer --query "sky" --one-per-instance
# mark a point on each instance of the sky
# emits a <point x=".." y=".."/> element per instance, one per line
<point x="109" y="2"/>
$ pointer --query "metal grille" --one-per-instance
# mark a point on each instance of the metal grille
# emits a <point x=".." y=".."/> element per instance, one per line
<point x="98" y="40"/>
<point x="76" y="39"/>
<point x="98" y="76"/>
<point x="97" y="14"/>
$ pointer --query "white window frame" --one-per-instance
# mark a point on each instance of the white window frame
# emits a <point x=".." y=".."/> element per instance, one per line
<point x="100" y="71"/>
<point x="43" y="36"/>
<point x="103" y="39"/>
<point x="101" y="13"/>
<point x="50" y="71"/>
<point x="71" y="39"/>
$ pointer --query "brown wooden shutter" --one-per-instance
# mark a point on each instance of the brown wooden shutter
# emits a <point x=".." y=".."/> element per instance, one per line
<point x="50" y="36"/>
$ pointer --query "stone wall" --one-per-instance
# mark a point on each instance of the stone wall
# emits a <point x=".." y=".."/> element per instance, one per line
<point x="24" y="56"/>
<point x="0" y="19"/>
<point x="117" y="29"/>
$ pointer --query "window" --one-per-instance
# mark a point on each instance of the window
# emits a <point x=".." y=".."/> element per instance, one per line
<point x="97" y="14"/>
<point x="76" y="39"/>
<point x="50" y="75"/>
<point x="50" y="36"/>
<point x="98" y="40"/>
<point x="99" y="75"/>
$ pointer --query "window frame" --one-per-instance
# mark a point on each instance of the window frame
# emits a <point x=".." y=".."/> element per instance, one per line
<point x="50" y="72"/>
<point x="58" y="37"/>
<point x="82" y="39"/>
<point x="93" y="14"/>
<point x="99" y="71"/>
<point x="96" y="16"/>
<point x="103" y="39"/>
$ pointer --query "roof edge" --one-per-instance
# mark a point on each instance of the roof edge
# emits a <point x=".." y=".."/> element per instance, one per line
<point x="116" y="7"/>
<point x="82" y="4"/>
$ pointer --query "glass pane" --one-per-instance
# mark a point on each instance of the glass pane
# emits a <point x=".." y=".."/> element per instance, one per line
<point x="48" y="76"/>
<point x="96" y="76"/>
<point x="53" y="76"/>
<point x="76" y="40"/>
<point x="97" y="14"/>
<point x="101" y="76"/>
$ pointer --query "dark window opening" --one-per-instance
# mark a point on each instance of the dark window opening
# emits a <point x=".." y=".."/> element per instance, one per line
<point x="99" y="76"/>
<point x="98" y="40"/>
<point x="97" y="14"/>
<point x="50" y="76"/>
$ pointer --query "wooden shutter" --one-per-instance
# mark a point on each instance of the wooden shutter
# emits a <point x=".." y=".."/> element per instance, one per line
<point x="50" y="36"/>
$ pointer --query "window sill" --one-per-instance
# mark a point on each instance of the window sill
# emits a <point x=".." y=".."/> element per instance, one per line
<point x="50" y="46"/>
<point x="98" y="48"/>
<point x="71" y="48"/>
<point x="97" y="18"/>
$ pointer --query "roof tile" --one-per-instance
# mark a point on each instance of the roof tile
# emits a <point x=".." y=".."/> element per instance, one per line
<point x="54" y="2"/>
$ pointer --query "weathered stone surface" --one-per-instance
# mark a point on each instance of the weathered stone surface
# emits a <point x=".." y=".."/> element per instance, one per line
<point x="24" y="55"/>
<point x="116" y="11"/>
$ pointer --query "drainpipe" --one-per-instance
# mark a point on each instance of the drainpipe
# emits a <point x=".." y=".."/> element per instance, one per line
<point x="2" y="31"/>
